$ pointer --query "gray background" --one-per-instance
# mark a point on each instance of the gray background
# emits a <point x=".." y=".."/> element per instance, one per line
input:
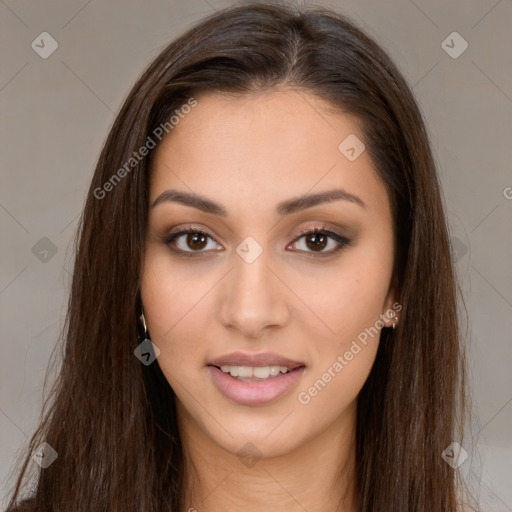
<point x="55" y="114"/>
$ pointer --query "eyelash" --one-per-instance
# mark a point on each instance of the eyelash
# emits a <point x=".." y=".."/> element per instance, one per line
<point x="342" y="241"/>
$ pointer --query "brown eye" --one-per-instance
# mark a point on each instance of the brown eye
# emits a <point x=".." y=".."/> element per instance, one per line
<point x="190" y="241"/>
<point x="316" y="240"/>
<point x="196" y="241"/>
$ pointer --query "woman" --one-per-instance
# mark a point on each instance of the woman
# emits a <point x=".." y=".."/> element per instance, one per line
<point x="263" y="306"/>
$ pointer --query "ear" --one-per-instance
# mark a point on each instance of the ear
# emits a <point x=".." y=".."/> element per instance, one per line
<point x="392" y="308"/>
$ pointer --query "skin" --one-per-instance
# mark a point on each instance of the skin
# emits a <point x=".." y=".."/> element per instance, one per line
<point x="250" y="153"/>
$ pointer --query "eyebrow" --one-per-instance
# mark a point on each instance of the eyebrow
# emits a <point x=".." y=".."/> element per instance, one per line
<point x="284" y="208"/>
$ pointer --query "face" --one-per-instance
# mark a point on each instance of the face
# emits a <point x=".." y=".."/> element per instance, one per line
<point x="235" y="280"/>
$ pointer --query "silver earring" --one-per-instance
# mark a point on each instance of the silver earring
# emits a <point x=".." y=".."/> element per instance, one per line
<point x="392" y="314"/>
<point x="143" y="320"/>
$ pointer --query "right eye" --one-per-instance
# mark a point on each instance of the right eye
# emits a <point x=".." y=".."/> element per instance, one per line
<point x="189" y="241"/>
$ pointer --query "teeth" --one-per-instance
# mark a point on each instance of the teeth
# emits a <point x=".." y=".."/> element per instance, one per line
<point x="248" y="372"/>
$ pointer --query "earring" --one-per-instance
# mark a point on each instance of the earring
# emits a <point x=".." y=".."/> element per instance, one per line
<point x="147" y="351"/>
<point x="392" y="315"/>
<point x="145" y="327"/>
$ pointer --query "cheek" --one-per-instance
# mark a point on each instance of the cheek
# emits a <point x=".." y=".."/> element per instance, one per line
<point x="352" y="299"/>
<point x="174" y="308"/>
<point x="328" y="394"/>
<point x="349" y="308"/>
<point x="343" y="357"/>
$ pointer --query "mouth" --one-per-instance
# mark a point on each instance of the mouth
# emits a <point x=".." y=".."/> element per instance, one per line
<point x="255" y="379"/>
<point x="256" y="373"/>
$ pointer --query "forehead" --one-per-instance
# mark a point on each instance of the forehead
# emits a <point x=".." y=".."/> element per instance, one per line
<point x="270" y="145"/>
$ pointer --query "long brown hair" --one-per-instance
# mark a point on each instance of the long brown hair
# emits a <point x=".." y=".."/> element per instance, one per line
<point x="112" y="420"/>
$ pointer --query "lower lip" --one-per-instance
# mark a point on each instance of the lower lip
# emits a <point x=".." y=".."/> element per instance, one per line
<point x="256" y="392"/>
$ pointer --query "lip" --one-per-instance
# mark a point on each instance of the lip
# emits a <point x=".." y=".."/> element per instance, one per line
<point x="255" y="392"/>
<point x="262" y="359"/>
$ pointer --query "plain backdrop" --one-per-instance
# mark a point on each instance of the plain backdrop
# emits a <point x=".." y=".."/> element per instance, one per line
<point x="56" y="112"/>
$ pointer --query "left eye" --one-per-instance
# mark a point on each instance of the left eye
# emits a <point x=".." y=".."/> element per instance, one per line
<point x="316" y="240"/>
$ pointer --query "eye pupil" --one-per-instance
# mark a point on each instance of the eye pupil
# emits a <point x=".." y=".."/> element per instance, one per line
<point x="316" y="241"/>
<point x="198" y="240"/>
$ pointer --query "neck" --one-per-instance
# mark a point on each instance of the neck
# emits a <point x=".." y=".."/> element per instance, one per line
<point x="318" y="475"/>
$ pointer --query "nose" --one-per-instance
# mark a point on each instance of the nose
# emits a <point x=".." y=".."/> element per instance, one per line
<point x="253" y="298"/>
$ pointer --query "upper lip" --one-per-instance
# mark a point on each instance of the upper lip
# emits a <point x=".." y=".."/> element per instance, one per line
<point x="262" y="359"/>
